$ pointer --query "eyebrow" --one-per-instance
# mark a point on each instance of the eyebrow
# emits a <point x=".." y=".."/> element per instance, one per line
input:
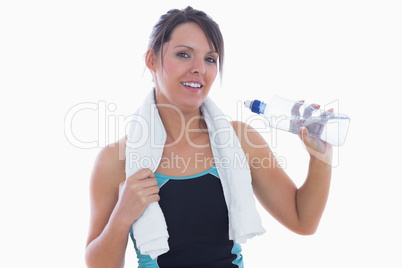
<point x="188" y="47"/>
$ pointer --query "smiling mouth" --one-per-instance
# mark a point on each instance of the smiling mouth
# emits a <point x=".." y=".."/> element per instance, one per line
<point x="193" y="85"/>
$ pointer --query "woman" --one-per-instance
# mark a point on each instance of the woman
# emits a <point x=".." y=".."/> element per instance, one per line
<point x="184" y="56"/>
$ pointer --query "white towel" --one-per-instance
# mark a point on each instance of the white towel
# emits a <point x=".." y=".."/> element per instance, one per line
<point x="145" y="141"/>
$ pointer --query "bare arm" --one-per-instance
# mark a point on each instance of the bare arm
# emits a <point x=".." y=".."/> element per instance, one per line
<point x="312" y="196"/>
<point x="115" y="204"/>
<point x="301" y="209"/>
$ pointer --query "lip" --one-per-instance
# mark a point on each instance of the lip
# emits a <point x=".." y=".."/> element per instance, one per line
<point x="193" y="89"/>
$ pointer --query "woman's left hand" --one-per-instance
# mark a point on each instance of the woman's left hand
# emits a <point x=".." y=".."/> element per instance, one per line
<point x="316" y="147"/>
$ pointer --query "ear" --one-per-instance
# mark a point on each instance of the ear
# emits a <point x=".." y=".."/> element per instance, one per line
<point x="150" y="60"/>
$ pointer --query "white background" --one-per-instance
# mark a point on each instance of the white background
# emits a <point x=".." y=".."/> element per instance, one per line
<point x="55" y="55"/>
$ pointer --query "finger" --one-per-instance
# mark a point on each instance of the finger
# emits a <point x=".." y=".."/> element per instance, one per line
<point x="150" y="195"/>
<point x="329" y="112"/>
<point x="327" y="115"/>
<point x="151" y="190"/>
<point x="303" y="132"/>
<point x="304" y="135"/>
<point x="149" y="182"/>
<point x="320" y="129"/>
<point x="142" y="174"/>
<point x="296" y="108"/>
<point x="154" y="198"/>
<point x="313" y="128"/>
<point x="309" y="110"/>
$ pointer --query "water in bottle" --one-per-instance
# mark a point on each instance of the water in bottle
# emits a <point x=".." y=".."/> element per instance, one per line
<point x="290" y="116"/>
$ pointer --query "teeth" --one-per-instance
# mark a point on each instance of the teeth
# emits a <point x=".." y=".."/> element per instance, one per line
<point x="191" y="85"/>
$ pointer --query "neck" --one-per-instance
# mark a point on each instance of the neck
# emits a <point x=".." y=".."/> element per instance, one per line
<point x="181" y="127"/>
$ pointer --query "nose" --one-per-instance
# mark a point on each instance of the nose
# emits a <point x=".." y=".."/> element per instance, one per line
<point x="198" y="66"/>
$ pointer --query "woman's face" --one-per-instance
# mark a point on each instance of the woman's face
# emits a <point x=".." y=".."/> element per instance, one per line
<point x="189" y="68"/>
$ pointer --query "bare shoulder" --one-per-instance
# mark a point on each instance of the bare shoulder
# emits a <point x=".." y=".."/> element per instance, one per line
<point x="107" y="174"/>
<point x="249" y="137"/>
<point x="109" y="165"/>
<point x="262" y="161"/>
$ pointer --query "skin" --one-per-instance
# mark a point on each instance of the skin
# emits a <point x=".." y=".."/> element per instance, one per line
<point x="116" y="202"/>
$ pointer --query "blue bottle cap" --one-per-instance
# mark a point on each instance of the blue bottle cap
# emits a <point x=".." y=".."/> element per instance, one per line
<point x="258" y="107"/>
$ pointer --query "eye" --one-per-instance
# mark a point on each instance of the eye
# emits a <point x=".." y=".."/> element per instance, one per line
<point x="183" y="55"/>
<point x="210" y="59"/>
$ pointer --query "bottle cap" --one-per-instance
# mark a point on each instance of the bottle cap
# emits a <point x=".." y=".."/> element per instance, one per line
<point x="258" y="107"/>
<point x="255" y="106"/>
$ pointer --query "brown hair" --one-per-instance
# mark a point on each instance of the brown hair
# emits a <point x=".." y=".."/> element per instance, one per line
<point x="163" y="29"/>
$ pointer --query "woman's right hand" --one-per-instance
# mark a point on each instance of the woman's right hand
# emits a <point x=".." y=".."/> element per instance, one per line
<point x="135" y="194"/>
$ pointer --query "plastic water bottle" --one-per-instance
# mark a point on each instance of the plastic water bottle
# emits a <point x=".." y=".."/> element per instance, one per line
<point x="290" y="116"/>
